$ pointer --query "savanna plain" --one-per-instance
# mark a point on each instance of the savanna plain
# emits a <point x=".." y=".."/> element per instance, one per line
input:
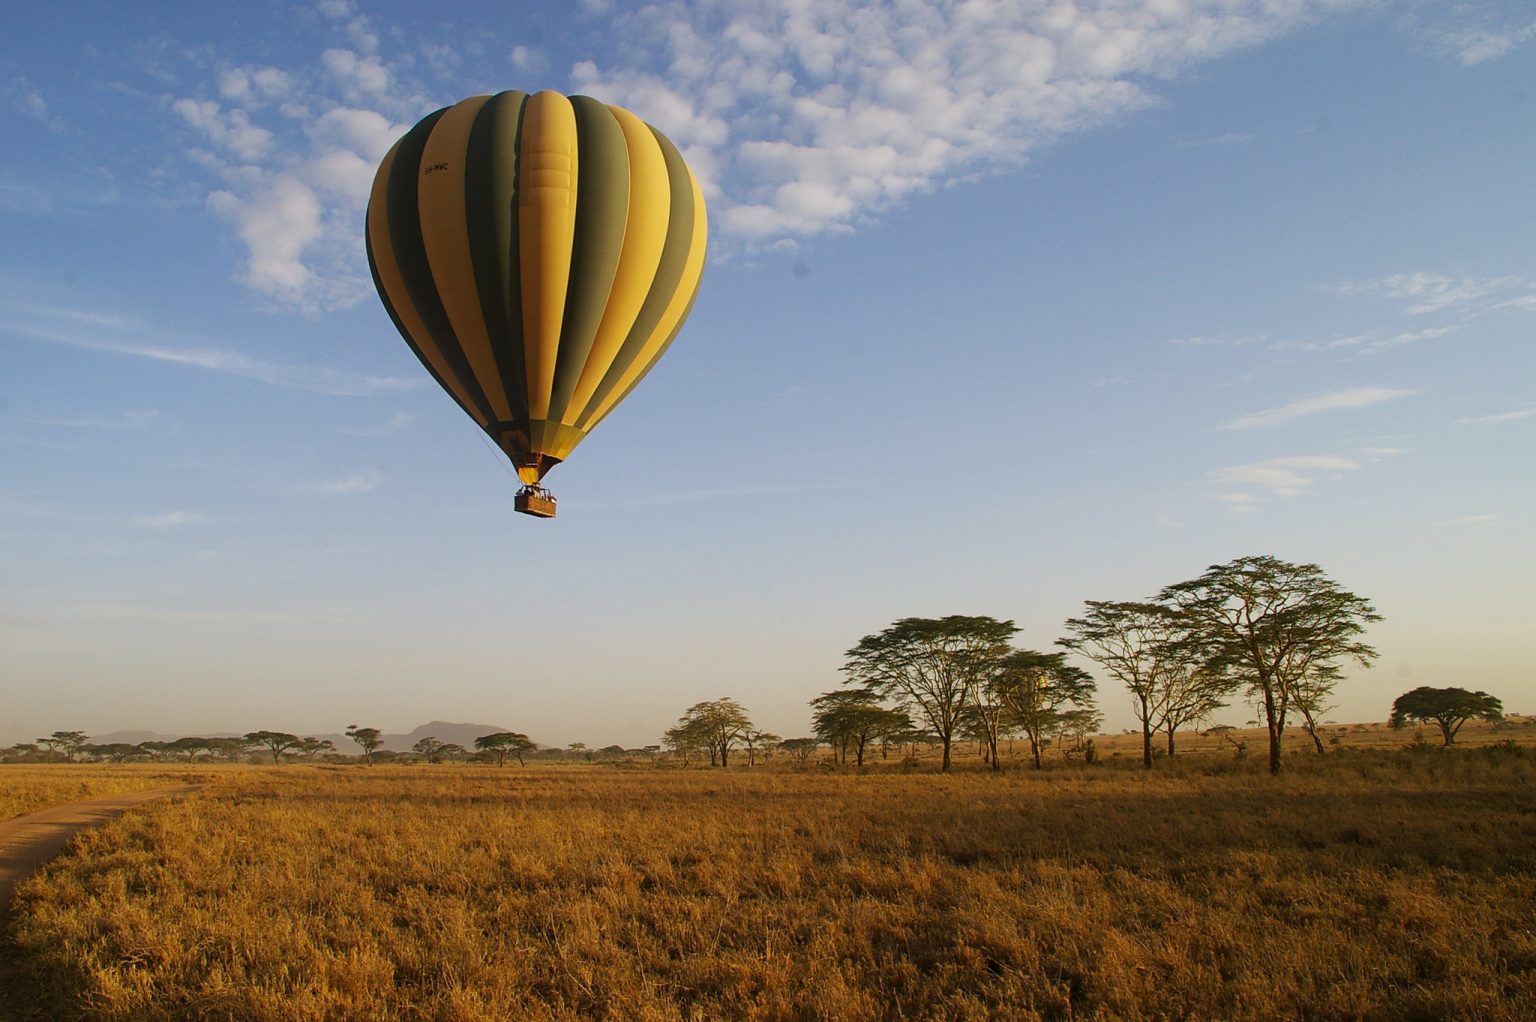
<point x="1369" y="883"/>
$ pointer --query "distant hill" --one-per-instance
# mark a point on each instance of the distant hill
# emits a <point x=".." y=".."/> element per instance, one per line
<point x="443" y="730"/>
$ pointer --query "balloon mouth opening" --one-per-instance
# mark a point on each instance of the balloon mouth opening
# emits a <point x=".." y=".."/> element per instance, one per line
<point x="532" y="468"/>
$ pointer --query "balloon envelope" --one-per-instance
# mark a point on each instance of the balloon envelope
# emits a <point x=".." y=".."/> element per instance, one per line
<point x="539" y="254"/>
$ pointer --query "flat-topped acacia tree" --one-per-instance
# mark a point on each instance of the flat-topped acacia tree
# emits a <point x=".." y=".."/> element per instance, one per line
<point x="505" y="743"/>
<point x="1449" y="708"/>
<point x="368" y="739"/>
<point x="278" y="742"/>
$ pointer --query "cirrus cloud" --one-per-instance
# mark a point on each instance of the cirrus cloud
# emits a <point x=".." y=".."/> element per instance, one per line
<point x="1349" y="398"/>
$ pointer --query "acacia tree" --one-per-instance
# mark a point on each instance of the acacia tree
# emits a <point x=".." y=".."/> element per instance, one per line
<point x="800" y="748"/>
<point x="367" y="738"/>
<point x="685" y="738"/>
<point x="1133" y="643"/>
<point x="67" y="742"/>
<point x="1449" y="708"/>
<point x="847" y="718"/>
<point x="309" y="748"/>
<point x="758" y="741"/>
<point x="429" y="748"/>
<point x="1037" y="689"/>
<point x="278" y="742"/>
<point x="1192" y="693"/>
<point x="931" y="667"/>
<point x="1078" y="724"/>
<point x="1310" y="692"/>
<point x="716" y="725"/>
<point x="117" y="752"/>
<point x="505" y="743"/>
<point x="1268" y="624"/>
<point x="989" y="719"/>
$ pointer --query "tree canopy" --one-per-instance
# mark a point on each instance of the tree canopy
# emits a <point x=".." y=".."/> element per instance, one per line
<point x="1280" y="629"/>
<point x="1037" y="689"/>
<point x="931" y="667"/>
<point x="716" y="725"/>
<point x="505" y="743"/>
<point x="1449" y="708"/>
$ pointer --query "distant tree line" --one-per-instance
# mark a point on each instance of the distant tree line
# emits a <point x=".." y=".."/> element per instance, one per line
<point x="1274" y="632"/>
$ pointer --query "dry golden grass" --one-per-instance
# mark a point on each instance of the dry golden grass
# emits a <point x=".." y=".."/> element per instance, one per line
<point x="1360" y="885"/>
<point x="25" y="787"/>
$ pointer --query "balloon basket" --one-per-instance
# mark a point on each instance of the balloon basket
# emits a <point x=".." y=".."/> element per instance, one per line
<point x="536" y="501"/>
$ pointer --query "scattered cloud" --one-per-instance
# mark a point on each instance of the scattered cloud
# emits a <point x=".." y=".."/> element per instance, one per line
<point x="799" y="119"/>
<point x="1497" y="418"/>
<point x="122" y="335"/>
<point x="812" y="118"/>
<point x="1285" y="477"/>
<point x="21" y="97"/>
<point x="1218" y="342"/>
<point x="393" y="424"/>
<point x="172" y="520"/>
<point x="1368" y="344"/>
<point x="126" y="421"/>
<point x="363" y="482"/>
<point x="1225" y="139"/>
<point x="1339" y="400"/>
<point x="1425" y="292"/>
<point x="1472" y="34"/>
<point x="1471" y="521"/>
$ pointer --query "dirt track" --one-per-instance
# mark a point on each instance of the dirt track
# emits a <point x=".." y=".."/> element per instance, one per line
<point x="27" y="842"/>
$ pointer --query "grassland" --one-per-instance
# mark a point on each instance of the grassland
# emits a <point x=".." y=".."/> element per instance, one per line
<point x="1373" y="885"/>
<point x="25" y="787"/>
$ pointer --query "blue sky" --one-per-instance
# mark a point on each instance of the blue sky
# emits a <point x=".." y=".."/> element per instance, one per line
<point x="1008" y="307"/>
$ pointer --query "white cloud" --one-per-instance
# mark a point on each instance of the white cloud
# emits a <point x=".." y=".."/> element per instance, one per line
<point x="393" y="424"/>
<point x="276" y="224"/>
<point x="1285" y="477"/>
<point x="1472" y="521"/>
<point x="231" y="129"/>
<point x="1497" y="418"/>
<point x="171" y="520"/>
<point x="363" y="482"/>
<point x="818" y="115"/>
<point x="1472" y="34"/>
<point x="1368" y="344"/>
<point x="1427" y="292"/>
<point x="253" y="87"/>
<point x="1353" y="397"/>
<point x="526" y="58"/>
<point x="318" y="379"/>
<point x="358" y="75"/>
<point x="799" y="118"/>
<point x="126" y="421"/>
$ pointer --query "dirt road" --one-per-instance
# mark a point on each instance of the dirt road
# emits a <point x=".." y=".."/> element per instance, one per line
<point x="27" y="842"/>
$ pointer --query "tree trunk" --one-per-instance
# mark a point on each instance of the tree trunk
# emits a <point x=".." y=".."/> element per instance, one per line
<point x="944" y="766"/>
<point x="1170" y="741"/>
<point x="1273" y="724"/>
<point x="1312" y="730"/>
<point x="1146" y="743"/>
<point x="1034" y="747"/>
<point x="858" y="753"/>
<point x="995" y="764"/>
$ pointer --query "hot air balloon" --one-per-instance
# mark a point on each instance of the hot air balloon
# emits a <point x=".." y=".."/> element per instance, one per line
<point x="538" y="254"/>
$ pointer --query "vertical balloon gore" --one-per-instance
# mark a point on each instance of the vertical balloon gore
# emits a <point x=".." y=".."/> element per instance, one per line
<point x="538" y="254"/>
